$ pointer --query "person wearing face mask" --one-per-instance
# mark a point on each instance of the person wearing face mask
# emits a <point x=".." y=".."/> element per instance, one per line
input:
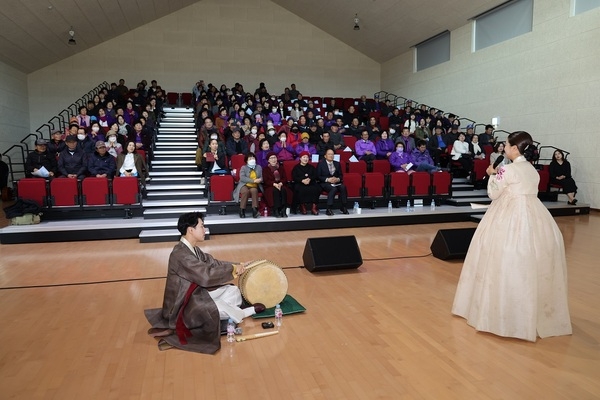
<point x="275" y="115"/>
<point x="283" y="148"/>
<point x="249" y="185"/>
<point x="85" y="142"/>
<point x="271" y="136"/>
<point x="113" y="147"/>
<point x="96" y="133"/>
<point x="71" y="161"/>
<point x="401" y="160"/>
<point x="252" y="140"/>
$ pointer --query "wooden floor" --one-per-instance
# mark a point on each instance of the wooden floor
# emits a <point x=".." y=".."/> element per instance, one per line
<point x="383" y="331"/>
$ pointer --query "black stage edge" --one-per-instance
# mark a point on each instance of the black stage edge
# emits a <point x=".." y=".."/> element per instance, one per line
<point x="131" y="229"/>
<point x="69" y="235"/>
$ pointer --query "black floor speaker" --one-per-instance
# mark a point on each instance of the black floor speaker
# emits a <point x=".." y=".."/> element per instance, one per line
<point x="331" y="253"/>
<point x="452" y="243"/>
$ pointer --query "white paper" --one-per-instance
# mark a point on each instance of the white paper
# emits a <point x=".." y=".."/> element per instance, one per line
<point x="347" y="148"/>
<point x="314" y="158"/>
<point x="41" y="172"/>
<point x="353" y="159"/>
<point x="479" y="206"/>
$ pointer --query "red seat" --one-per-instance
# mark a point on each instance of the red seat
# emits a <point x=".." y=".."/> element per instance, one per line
<point x="221" y="187"/>
<point x="441" y="184"/>
<point x="359" y="167"/>
<point x="172" y="98"/>
<point x="420" y="182"/>
<point x="544" y="183"/>
<point x="237" y="162"/>
<point x="479" y="168"/>
<point x="374" y="187"/>
<point x="186" y="99"/>
<point x="126" y="190"/>
<point x="353" y="182"/>
<point x="399" y="184"/>
<point x="344" y="158"/>
<point x="142" y="154"/>
<point x="34" y="189"/>
<point x="94" y="192"/>
<point x="350" y="141"/>
<point x="384" y="122"/>
<point x="64" y="192"/>
<point x="288" y="166"/>
<point x="382" y="166"/>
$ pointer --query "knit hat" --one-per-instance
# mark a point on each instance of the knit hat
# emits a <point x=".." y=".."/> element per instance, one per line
<point x="304" y="153"/>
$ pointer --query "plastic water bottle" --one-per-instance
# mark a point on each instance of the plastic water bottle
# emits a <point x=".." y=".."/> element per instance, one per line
<point x="266" y="212"/>
<point x="278" y="315"/>
<point x="389" y="206"/>
<point x="230" y="331"/>
<point x="432" y="205"/>
<point x="356" y="207"/>
<point x="407" y="206"/>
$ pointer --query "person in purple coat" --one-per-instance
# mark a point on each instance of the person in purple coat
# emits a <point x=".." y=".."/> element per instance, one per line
<point x="384" y="146"/>
<point x="364" y="148"/>
<point x="401" y="160"/>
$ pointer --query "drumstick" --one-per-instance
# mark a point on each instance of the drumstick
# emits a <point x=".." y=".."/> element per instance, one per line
<point x="255" y="336"/>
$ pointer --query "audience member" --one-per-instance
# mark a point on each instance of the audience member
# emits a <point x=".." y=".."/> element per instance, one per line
<point x="85" y="142"/>
<point x="304" y="145"/>
<point x="374" y="129"/>
<point x="40" y="162"/>
<point x="72" y="160"/>
<point x="214" y="160"/>
<point x="364" y="148"/>
<point x="330" y="175"/>
<point x="460" y="152"/>
<point x="487" y="137"/>
<point x="499" y="151"/>
<point x="475" y="149"/>
<point x="262" y="157"/>
<point x="83" y="119"/>
<point x="56" y="144"/>
<point x="306" y="188"/>
<point x="336" y="137"/>
<point x="437" y="145"/>
<point x="235" y="145"/>
<point x="324" y="144"/>
<point x="401" y="160"/>
<point x="124" y="130"/>
<point x="113" y="147"/>
<point x="101" y="164"/>
<point x="129" y="163"/>
<point x="249" y="185"/>
<point x="385" y="147"/>
<point x="421" y="158"/>
<point x="407" y="140"/>
<point x="422" y="131"/>
<point x="276" y="192"/>
<point x="283" y="148"/>
<point x="560" y="174"/>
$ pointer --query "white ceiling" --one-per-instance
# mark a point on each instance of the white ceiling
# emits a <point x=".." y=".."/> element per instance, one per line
<point x="34" y="33"/>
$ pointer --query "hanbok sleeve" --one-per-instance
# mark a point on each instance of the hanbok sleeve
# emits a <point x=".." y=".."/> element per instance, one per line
<point x="497" y="183"/>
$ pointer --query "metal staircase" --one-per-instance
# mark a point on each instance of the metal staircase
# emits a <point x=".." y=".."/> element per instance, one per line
<point x="176" y="186"/>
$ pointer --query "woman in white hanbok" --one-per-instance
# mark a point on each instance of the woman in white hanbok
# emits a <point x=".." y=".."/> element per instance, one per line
<point x="514" y="279"/>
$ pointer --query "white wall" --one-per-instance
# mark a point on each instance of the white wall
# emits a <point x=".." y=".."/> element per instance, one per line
<point x="546" y="82"/>
<point x="14" y="107"/>
<point x="220" y="41"/>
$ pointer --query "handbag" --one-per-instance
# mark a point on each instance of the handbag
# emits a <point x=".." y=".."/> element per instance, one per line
<point x="198" y="156"/>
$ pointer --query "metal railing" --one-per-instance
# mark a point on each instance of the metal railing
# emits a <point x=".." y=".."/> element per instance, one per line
<point x="17" y="154"/>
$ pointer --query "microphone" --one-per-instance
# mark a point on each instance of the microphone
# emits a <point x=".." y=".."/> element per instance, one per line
<point x="498" y="161"/>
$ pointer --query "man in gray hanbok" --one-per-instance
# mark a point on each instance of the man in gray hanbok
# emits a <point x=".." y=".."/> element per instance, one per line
<point x="197" y="294"/>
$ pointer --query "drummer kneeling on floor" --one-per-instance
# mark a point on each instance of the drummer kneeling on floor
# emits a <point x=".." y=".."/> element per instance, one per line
<point x="197" y="294"/>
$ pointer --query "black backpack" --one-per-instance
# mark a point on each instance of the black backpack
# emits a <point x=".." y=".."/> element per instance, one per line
<point x="22" y="207"/>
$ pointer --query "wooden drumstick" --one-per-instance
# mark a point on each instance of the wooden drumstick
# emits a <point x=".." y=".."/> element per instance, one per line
<point x="255" y="336"/>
